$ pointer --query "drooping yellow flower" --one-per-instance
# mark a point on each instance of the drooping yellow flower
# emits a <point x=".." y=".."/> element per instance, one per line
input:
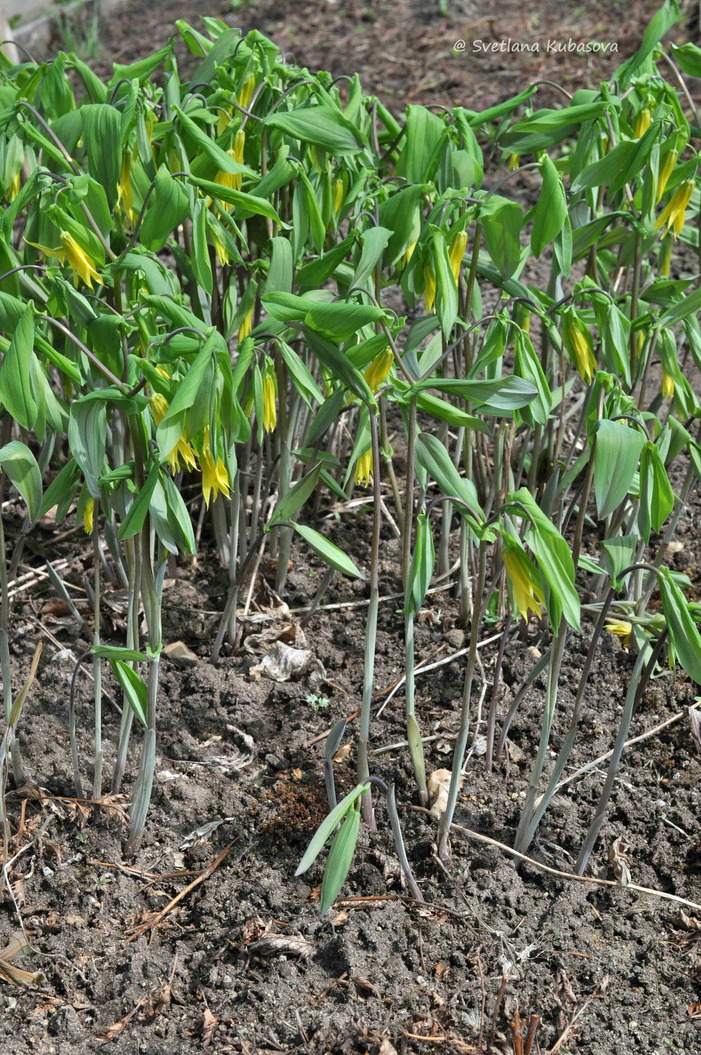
<point x="378" y="369"/>
<point x="246" y="325"/>
<point x="89" y="516"/>
<point x="125" y="194"/>
<point x="233" y="179"/>
<point x="269" y="400"/>
<point x="527" y="594"/>
<point x="13" y="189"/>
<point x="665" y="172"/>
<point x="667" y="384"/>
<point x="642" y="123"/>
<point x="69" y="250"/>
<point x="408" y="253"/>
<point x="337" y="195"/>
<point x="223" y="118"/>
<point x="246" y="92"/>
<point x="182" y="451"/>
<point x="621" y="628"/>
<point x="429" y="288"/>
<point x="78" y="259"/>
<point x="457" y="252"/>
<point x="215" y="479"/>
<point x="363" y="469"/>
<point x="674" y="212"/>
<point x="579" y="344"/>
<point x="514" y="162"/>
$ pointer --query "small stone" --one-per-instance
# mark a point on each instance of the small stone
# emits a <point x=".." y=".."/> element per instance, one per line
<point x="181" y="654"/>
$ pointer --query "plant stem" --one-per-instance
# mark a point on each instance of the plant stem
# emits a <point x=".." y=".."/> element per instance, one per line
<point x="96" y="662"/>
<point x="636" y="689"/>
<point x="370" y="630"/>
<point x="461" y="744"/>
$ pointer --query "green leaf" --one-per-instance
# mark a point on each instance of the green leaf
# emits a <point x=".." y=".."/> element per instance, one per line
<point x="21" y="467"/>
<point x="616" y="457"/>
<point x="688" y="57"/>
<point x="551" y="208"/>
<point x="87" y="437"/>
<point x="434" y="458"/>
<point x="554" y="558"/>
<point x="61" y="491"/>
<point x="340" y="858"/>
<point x="501" y="221"/>
<point x="682" y="629"/>
<point x="135" y="692"/>
<point x="171" y="427"/>
<point x="422" y="562"/>
<point x="501" y="396"/>
<point x="424" y="134"/>
<point x="341" y="319"/>
<point x="292" y="502"/>
<point x="127" y="655"/>
<point x="619" y="554"/>
<point x="178" y="516"/>
<point x="199" y="250"/>
<point x="658" y="26"/>
<point x="102" y="133"/>
<point x="688" y="305"/>
<point x="211" y="151"/>
<point x="245" y="203"/>
<point x="374" y="240"/>
<point x="544" y="128"/>
<point x="330" y="355"/>
<point x="301" y="377"/>
<point x="327" y="827"/>
<point x="167" y="207"/>
<point x="138" y="510"/>
<point x="656" y="494"/>
<point x="17" y="385"/>
<point x="328" y="551"/>
<point x="323" y="125"/>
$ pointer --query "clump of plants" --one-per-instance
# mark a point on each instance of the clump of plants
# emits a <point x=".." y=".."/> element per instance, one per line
<point x="194" y="278"/>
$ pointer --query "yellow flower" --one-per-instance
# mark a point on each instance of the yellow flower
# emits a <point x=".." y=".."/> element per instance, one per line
<point x="215" y="479"/>
<point x="70" y="251"/>
<point x="665" y="172"/>
<point x="125" y="194"/>
<point x="674" y="212"/>
<point x="579" y="344"/>
<point x="337" y="195"/>
<point x="223" y="118"/>
<point x="246" y="325"/>
<point x="408" y="253"/>
<point x="621" y="629"/>
<point x="182" y="451"/>
<point x="363" y="468"/>
<point x="667" y="384"/>
<point x="429" y="288"/>
<point x="233" y="179"/>
<point x="269" y="400"/>
<point x="13" y="189"/>
<point x="514" y="162"/>
<point x="527" y="594"/>
<point x="378" y="369"/>
<point x="88" y="516"/>
<point x="78" y="259"/>
<point x="246" y="92"/>
<point x="642" y="123"/>
<point x="457" y="252"/>
<point x="220" y="249"/>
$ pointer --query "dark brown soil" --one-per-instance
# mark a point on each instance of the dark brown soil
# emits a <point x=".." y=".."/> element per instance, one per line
<point x="606" y="970"/>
